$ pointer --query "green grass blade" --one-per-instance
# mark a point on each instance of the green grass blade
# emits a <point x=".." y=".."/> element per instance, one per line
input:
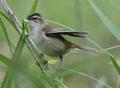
<point x="6" y="35"/>
<point x="116" y="64"/>
<point x="115" y="31"/>
<point x="6" y="17"/>
<point x="113" y="59"/>
<point x="34" y="6"/>
<point x="11" y="65"/>
<point x="9" y="20"/>
<point x="19" y="46"/>
<point x="107" y="22"/>
<point x="9" y="74"/>
<point x="6" y="61"/>
<point x="35" y="78"/>
<point x="69" y="70"/>
<point x="8" y="79"/>
<point x="16" y="56"/>
<point x="28" y="73"/>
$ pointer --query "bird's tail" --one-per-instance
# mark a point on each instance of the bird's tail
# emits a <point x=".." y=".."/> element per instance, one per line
<point x="84" y="48"/>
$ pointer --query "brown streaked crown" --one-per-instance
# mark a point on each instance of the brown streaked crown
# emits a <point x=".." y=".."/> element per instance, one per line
<point x="34" y="16"/>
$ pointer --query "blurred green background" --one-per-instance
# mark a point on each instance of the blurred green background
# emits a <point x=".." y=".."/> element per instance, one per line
<point x="79" y="15"/>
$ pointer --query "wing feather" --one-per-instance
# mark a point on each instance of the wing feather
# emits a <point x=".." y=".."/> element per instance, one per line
<point x="66" y="32"/>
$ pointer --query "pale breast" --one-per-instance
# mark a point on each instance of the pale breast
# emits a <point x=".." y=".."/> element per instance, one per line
<point x="48" y="45"/>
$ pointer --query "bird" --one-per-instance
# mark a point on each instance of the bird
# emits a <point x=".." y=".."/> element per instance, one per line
<point x="50" y="40"/>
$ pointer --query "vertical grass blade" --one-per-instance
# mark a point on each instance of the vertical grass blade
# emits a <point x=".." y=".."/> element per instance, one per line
<point x="34" y="6"/>
<point x="107" y="22"/>
<point x="6" y="35"/>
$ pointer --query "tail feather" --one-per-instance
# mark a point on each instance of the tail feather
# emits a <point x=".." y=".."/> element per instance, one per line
<point x="84" y="48"/>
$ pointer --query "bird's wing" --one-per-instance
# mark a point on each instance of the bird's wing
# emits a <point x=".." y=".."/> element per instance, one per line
<point x="66" y="32"/>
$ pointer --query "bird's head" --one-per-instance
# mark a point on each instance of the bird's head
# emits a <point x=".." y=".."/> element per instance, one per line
<point x="35" y="19"/>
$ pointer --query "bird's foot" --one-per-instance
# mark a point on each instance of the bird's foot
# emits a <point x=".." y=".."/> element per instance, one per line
<point x="41" y="61"/>
<point x="40" y="55"/>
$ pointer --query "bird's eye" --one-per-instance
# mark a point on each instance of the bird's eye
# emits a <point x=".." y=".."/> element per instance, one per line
<point x="35" y="18"/>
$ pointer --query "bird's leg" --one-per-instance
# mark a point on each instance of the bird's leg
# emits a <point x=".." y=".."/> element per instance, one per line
<point x="41" y="60"/>
<point x="40" y="55"/>
<point x="60" y="58"/>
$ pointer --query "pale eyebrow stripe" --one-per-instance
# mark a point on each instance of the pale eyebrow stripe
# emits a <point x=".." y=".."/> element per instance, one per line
<point x="35" y="17"/>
